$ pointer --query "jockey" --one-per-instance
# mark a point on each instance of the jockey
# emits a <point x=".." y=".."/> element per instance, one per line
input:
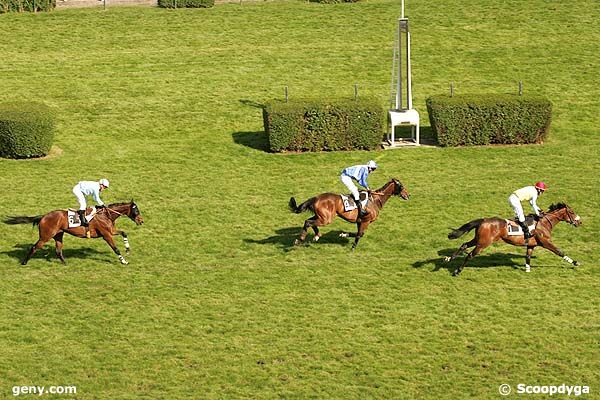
<point x="358" y="173"/>
<point x="89" y="188"/>
<point x="531" y="194"/>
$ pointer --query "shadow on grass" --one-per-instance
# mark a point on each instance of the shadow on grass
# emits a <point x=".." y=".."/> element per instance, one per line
<point x="480" y="261"/>
<point x="48" y="254"/>
<point x="254" y="140"/>
<point x="284" y="239"/>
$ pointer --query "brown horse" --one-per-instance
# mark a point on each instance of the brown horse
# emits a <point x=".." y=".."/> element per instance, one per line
<point x="327" y="205"/>
<point x="490" y="230"/>
<point x="55" y="224"/>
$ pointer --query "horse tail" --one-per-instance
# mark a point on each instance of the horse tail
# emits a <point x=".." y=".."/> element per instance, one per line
<point x="307" y="205"/>
<point x="22" y="219"/>
<point x="456" y="233"/>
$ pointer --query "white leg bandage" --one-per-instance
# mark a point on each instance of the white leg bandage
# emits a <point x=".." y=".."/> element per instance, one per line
<point x="568" y="259"/>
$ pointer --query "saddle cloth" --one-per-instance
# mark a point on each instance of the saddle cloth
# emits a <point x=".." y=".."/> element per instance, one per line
<point x="349" y="203"/>
<point x="514" y="229"/>
<point x="73" y="217"/>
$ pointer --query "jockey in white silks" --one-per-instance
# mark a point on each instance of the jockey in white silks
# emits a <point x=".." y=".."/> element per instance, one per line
<point x="89" y="188"/>
<point x="528" y="193"/>
<point x="358" y="173"/>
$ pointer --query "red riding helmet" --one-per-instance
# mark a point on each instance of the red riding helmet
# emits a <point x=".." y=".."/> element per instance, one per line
<point x="540" y="185"/>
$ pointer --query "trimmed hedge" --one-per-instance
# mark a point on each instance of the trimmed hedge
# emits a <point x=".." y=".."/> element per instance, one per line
<point x="333" y="1"/>
<point x="313" y="125"/>
<point x="467" y="120"/>
<point x="186" y="3"/>
<point x="26" y="5"/>
<point x="26" y="129"/>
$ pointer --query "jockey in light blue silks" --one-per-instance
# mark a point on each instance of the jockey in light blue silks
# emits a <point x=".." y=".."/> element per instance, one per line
<point x="89" y="188"/>
<point x="358" y="173"/>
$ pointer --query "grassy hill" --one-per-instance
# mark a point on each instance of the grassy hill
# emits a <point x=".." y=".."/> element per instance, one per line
<point x="216" y="303"/>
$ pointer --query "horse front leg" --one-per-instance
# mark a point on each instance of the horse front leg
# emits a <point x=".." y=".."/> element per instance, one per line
<point x="547" y="244"/>
<point x="108" y="238"/>
<point x="125" y="240"/>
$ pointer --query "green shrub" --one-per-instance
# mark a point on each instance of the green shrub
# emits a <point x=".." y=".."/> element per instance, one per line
<point x="467" y="120"/>
<point x="312" y="125"/>
<point x="26" y="129"/>
<point x="333" y="1"/>
<point x="26" y="5"/>
<point x="186" y="3"/>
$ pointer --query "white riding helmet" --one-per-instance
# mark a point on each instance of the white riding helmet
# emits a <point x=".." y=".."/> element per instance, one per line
<point x="104" y="182"/>
<point x="372" y="164"/>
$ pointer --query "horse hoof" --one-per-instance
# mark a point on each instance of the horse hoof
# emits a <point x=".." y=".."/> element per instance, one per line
<point x="576" y="264"/>
<point x="316" y="238"/>
<point x="296" y="242"/>
<point x="455" y="273"/>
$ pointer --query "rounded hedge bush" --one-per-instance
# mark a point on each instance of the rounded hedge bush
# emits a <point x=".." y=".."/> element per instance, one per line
<point x="26" y="5"/>
<point x="186" y="3"/>
<point x="26" y="129"/>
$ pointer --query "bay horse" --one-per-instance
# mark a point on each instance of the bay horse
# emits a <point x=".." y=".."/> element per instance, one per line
<point x="490" y="230"/>
<point x="327" y="206"/>
<point x="55" y="224"/>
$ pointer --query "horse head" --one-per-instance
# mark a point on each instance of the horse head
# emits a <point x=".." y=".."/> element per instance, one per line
<point x="399" y="189"/>
<point x="134" y="213"/>
<point x="565" y="213"/>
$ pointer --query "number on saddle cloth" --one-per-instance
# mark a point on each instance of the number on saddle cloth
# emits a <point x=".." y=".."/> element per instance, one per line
<point x="349" y="202"/>
<point x="515" y="229"/>
<point x="73" y="217"/>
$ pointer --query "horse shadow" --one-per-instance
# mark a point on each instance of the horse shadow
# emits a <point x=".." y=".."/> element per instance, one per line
<point x="284" y="239"/>
<point x="47" y="253"/>
<point x="481" y="261"/>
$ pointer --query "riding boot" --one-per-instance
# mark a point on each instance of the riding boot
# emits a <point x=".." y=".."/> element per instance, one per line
<point x="361" y="211"/>
<point x="525" y="228"/>
<point x="82" y="218"/>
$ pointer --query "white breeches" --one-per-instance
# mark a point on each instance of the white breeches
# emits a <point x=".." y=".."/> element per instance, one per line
<point x="515" y="203"/>
<point x="80" y="197"/>
<point x="346" y="180"/>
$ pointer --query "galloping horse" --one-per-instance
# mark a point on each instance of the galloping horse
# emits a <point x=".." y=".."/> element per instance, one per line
<point x="327" y="205"/>
<point x="55" y="224"/>
<point x="490" y="230"/>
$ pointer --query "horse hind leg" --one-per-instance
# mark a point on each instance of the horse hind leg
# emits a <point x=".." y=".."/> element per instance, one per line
<point x="38" y="245"/>
<point x="461" y="250"/>
<point x="478" y="249"/>
<point x="307" y="224"/>
<point x="58" y="238"/>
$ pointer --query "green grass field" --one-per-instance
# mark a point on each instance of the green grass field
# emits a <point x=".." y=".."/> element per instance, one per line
<point x="216" y="303"/>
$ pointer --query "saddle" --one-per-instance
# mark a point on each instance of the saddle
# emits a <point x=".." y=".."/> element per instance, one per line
<point x="514" y="229"/>
<point x="350" y="204"/>
<point x="73" y="217"/>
